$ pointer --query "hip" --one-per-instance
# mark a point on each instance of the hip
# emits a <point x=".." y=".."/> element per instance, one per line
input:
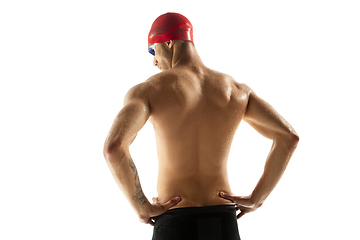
<point x="210" y="222"/>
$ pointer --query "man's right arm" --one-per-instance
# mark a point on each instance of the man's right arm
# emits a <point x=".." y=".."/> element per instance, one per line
<point x="265" y="120"/>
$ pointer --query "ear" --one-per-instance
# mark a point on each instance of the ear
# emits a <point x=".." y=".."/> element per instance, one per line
<point x="170" y="43"/>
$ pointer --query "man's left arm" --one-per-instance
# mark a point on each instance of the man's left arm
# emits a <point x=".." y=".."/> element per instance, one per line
<point x="127" y="124"/>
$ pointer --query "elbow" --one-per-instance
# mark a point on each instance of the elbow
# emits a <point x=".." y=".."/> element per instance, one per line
<point x="290" y="138"/>
<point x="111" y="149"/>
<point x="106" y="152"/>
<point x="294" y="137"/>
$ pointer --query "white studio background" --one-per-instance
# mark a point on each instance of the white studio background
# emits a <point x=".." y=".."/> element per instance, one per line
<point x="65" y="67"/>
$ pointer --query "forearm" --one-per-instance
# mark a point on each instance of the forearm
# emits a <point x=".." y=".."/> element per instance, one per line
<point x="126" y="176"/>
<point x="275" y="166"/>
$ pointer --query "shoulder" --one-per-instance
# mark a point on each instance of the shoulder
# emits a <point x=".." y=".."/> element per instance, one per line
<point x="243" y="87"/>
<point x="240" y="91"/>
<point x="228" y="79"/>
<point x="139" y="91"/>
<point x="151" y="86"/>
<point x="161" y="81"/>
<point x="162" y="77"/>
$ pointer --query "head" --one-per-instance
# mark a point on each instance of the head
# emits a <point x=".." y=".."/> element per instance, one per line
<point x="164" y="52"/>
<point x="168" y="32"/>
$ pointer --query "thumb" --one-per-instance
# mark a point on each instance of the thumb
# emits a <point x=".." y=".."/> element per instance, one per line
<point x="172" y="202"/>
<point x="226" y="196"/>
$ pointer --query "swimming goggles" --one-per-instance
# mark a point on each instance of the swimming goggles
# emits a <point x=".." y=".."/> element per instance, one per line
<point x="151" y="49"/>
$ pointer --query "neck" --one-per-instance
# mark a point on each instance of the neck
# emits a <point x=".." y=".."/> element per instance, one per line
<point x="185" y="55"/>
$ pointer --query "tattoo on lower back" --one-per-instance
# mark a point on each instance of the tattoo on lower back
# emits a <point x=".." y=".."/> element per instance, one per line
<point x="139" y="194"/>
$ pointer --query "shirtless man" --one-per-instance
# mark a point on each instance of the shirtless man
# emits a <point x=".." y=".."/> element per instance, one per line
<point x="195" y="112"/>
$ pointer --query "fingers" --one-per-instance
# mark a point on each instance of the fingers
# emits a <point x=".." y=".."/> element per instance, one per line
<point x="146" y="221"/>
<point x="155" y="200"/>
<point x="241" y="214"/>
<point x="152" y="221"/>
<point x="171" y="202"/>
<point x="241" y="201"/>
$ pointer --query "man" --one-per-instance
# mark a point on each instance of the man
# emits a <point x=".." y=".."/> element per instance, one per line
<point x="195" y="112"/>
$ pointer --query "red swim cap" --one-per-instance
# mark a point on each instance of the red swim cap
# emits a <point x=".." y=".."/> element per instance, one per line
<point x="170" y="26"/>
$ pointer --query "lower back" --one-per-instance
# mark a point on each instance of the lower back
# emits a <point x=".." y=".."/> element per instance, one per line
<point x="194" y="191"/>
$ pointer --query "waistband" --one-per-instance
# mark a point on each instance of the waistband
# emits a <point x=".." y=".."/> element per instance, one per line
<point x="196" y="212"/>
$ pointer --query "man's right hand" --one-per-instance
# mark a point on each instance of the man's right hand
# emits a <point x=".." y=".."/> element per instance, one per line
<point x="243" y="204"/>
<point x="157" y="208"/>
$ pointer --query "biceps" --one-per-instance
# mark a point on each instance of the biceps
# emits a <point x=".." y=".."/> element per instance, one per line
<point x="264" y="118"/>
<point x="128" y="123"/>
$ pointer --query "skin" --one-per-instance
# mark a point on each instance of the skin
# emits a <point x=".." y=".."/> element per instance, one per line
<point x="195" y="112"/>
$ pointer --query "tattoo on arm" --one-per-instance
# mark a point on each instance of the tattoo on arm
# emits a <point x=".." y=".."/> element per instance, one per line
<point x="139" y="194"/>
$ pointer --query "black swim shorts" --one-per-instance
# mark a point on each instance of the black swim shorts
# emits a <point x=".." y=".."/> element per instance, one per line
<point x="197" y="223"/>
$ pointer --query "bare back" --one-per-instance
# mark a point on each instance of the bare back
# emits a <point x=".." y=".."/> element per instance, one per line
<point x="195" y="115"/>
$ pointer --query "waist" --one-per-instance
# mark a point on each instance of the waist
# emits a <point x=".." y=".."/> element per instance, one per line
<point x="226" y="208"/>
<point x="188" y="213"/>
<point x="199" y="203"/>
<point x="194" y="192"/>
